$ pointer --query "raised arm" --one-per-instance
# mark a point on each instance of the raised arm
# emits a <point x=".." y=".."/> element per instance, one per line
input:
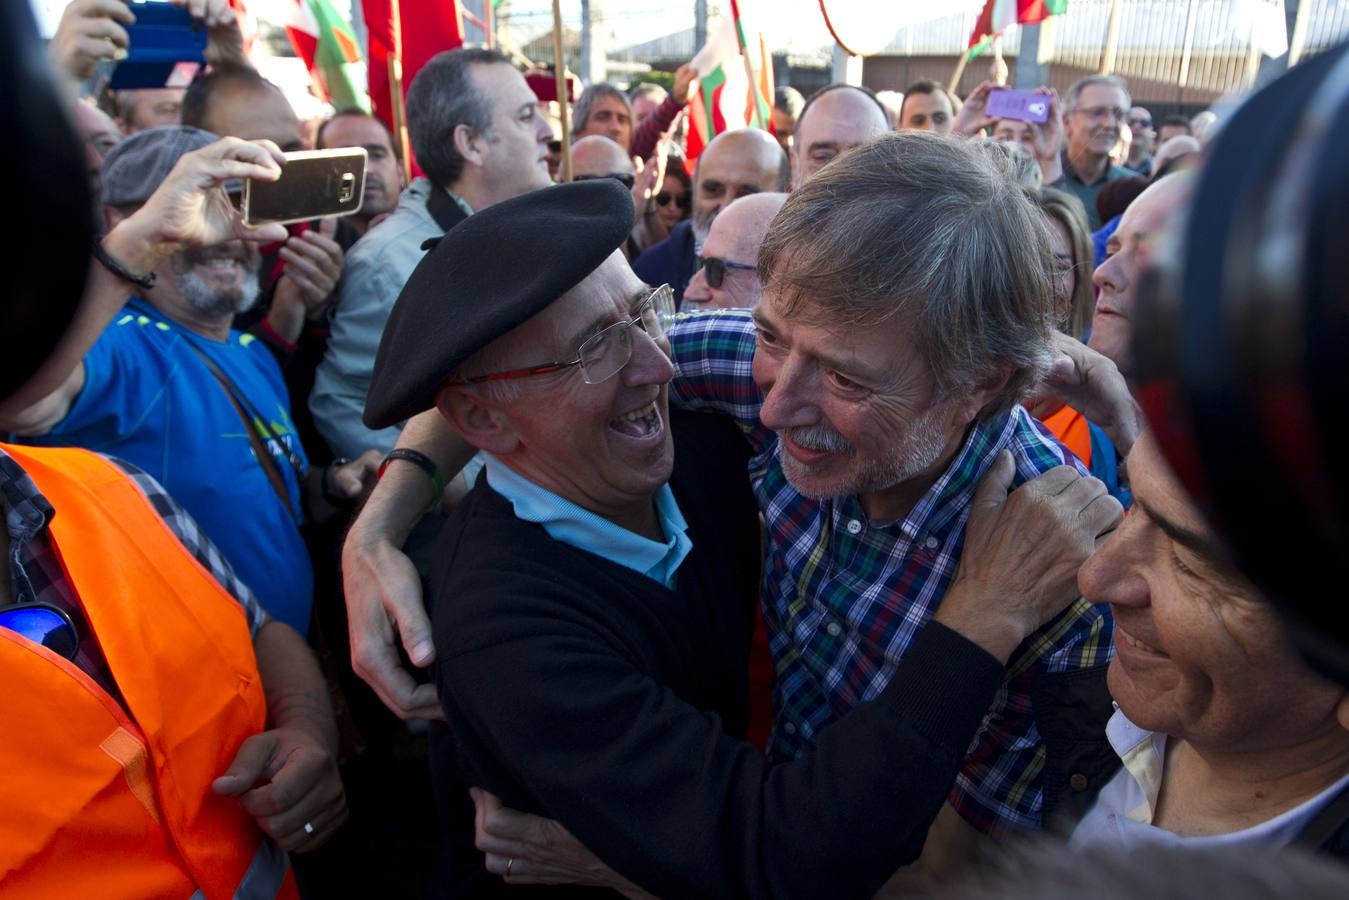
<point x="190" y="209"/>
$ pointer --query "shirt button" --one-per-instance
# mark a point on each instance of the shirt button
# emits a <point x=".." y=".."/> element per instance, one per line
<point x="789" y="728"/>
<point x="833" y="629"/>
<point x="930" y="543"/>
<point x="854" y="526"/>
<point x="1078" y="781"/>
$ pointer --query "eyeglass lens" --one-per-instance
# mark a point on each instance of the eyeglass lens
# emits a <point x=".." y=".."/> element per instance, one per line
<point x="42" y="626"/>
<point x="604" y="354"/>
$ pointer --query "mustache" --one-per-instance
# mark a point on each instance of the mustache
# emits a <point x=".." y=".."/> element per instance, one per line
<point x="818" y="437"/>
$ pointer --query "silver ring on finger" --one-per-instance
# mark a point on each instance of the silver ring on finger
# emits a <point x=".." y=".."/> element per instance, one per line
<point x="509" y="864"/>
<point x="309" y="827"/>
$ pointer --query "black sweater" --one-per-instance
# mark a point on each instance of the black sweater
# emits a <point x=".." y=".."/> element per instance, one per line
<point x="583" y="691"/>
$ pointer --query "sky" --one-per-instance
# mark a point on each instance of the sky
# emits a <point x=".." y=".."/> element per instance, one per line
<point x="786" y="23"/>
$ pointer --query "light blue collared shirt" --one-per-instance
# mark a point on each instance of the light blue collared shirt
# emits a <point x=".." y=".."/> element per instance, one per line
<point x="571" y="524"/>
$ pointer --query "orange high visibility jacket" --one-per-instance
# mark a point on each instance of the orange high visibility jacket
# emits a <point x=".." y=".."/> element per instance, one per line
<point x="1073" y="432"/>
<point x="98" y="803"/>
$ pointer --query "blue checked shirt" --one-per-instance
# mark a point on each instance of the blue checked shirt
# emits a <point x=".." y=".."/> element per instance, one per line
<point x="844" y="597"/>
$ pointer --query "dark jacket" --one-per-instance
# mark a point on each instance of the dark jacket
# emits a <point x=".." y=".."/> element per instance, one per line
<point x="673" y="261"/>
<point x="582" y="691"/>
<point x="1071" y="712"/>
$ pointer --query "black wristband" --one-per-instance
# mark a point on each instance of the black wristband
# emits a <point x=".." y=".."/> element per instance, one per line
<point x="144" y="282"/>
<point x="421" y="461"/>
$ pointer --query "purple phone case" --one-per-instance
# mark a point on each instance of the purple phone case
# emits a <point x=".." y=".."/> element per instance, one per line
<point x="1022" y="105"/>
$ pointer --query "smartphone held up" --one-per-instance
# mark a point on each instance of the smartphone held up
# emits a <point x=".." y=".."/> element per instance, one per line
<point x="1025" y="106"/>
<point x="313" y="184"/>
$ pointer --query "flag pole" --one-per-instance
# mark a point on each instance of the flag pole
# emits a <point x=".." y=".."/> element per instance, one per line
<point x="487" y="24"/>
<point x="396" y="105"/>
<point x="953" y="86"/>
<point x="560" y="72"/>
<point x="749" y="70"/>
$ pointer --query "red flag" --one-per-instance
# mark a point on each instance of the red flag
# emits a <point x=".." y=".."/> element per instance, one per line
<point x="425" y="28"/>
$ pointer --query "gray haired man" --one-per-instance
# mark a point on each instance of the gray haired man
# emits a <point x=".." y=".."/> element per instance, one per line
<point x="1095" y="108"/>
<point x="477" y="133"/>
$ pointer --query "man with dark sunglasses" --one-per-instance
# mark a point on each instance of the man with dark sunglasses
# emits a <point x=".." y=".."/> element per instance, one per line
<point x="727" y="278"/>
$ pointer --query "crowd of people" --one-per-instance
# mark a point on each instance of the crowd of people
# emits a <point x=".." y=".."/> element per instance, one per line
<point x="778" y="523"/>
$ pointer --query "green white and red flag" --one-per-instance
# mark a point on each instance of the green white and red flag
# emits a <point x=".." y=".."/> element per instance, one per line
<point x="734" y="88"/>
<point x="998" y="15"/>
<point x="323" y="38"/>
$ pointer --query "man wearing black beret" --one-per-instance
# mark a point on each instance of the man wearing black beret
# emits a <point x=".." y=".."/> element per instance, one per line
<point x="591" y="618"/>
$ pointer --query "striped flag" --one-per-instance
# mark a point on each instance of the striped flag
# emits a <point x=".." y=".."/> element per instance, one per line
<point x="998" y="15"/>
<point x="323" y="38"/>
<point x="423" y="29"/>
<point x="734" y="88"/>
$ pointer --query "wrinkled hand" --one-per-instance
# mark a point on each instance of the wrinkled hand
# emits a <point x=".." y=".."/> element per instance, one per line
<point x="190" y="207"/>
<point x="285" y="778"/>
<point x="1091" y="384"/>
<point x="384" y="600"/>
<point x="313" y="266"/>
<point x="1022" y="551"/>
<point x="90" y="31"/>
<point x="683" y="80"/>
<point x="973" y="114"/>
<point x="537" y="850"/>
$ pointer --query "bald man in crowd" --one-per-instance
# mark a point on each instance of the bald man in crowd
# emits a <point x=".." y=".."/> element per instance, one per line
<point x="596" y="156"/>
<point x="837" y="118"/>
<point x="728" y="278"/>
<point x="735" y="164"/>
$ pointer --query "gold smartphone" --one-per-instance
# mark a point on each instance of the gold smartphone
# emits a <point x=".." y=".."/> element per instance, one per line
<point x="313" y="184"/>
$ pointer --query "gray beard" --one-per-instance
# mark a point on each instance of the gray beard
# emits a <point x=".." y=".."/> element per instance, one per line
<point x="921" y="446"/>
<point x="209" y="302"/>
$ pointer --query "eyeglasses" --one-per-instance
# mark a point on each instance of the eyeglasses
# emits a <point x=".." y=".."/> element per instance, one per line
<point x="623" y="179"/>
<point x="715" y="269"/>
<point x="601" y="356"/>
<point x="1139" y="122"/>
<point x="683" y="201"/>
<point x="1100" y="112"/>
<point x="42" y="624"/>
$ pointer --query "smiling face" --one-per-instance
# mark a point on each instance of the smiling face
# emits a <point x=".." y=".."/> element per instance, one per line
<point x="605" y="447"/>
<point x="1129" y="251"/>
<point x="1093" y="125"/>
<point x="1199" y="654"/>
<point x="856" y="409"/>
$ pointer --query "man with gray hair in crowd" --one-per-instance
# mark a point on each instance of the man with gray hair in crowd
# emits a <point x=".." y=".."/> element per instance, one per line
<point x="878" y="382"/>
<point x="478" y="135"/>
<point x="1095" y="109"/>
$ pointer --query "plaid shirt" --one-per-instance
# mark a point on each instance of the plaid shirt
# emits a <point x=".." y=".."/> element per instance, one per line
<point x="844" y="597"/>
<point x="36" y="573"/>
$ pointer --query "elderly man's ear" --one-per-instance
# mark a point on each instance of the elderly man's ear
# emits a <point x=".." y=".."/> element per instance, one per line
<point x="1342" y="711"/>
<point x="477" y="419"/>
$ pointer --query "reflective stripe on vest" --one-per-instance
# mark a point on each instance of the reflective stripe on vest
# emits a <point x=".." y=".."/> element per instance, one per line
<point x="99" y="802"/>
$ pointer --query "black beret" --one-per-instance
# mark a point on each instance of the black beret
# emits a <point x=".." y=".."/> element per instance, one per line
<point x="487" y="275"/>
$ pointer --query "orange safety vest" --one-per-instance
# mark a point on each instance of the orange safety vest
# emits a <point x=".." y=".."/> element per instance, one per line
<point x="99" y="803"/>
<point x="1073" y="432"/>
